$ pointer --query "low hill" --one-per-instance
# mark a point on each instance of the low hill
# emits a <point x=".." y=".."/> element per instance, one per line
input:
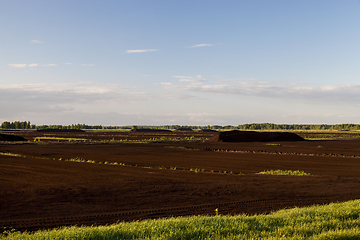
<point x="11" y="138"/>
<point x="251" y="136"/>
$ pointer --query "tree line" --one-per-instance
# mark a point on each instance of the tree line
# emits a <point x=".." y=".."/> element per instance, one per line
<point x="27" y="125"/>
<point x="249" y="126"/>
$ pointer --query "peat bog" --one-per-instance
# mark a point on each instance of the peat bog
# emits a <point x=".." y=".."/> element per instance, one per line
<point x="111" y="176"/>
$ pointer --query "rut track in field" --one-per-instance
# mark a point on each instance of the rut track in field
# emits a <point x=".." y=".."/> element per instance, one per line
<point x="248" y="207"/>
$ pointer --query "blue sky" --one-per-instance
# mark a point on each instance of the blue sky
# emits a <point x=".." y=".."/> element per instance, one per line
<point x="180" y="62"/>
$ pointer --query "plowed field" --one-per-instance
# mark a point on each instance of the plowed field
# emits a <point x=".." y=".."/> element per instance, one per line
<point x="129" y="180"/>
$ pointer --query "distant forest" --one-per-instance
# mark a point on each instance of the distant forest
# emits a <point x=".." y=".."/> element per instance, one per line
<point x="252" y="126"/>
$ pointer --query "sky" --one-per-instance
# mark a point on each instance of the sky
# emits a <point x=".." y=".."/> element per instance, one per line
<point x="186" y="62"/>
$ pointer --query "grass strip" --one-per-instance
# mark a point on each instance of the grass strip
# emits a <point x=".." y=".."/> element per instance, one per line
<point x="332" y="221"/>
<point x="285" y="172"/>
<point x="11" y="154"/>
<point x="60" y="138"/>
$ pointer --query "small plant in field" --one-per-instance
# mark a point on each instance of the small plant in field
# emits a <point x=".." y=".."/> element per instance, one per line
<point x="285" y="172"/>
<point x="319" y="146"/>
<point x="216" y="212"/>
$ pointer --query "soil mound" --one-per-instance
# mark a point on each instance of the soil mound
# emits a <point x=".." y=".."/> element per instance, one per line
<point x="251" y="136"/>
<point x="6" y="137"/>
<point x="184" y="129"/>
<point x="149" y="130"/>
<point x="207" y="130"/>
<point x="60" y="130"/>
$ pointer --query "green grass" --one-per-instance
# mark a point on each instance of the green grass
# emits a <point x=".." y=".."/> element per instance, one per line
<point x="333" y="221"/>
<point x="285" y="172"/>
<point x="60" y="138"/>
<point x="11" y="154"/>
<point x="273" y="144"/>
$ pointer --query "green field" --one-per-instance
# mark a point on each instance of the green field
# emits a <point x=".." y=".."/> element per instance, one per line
<point x="332" y="221"/>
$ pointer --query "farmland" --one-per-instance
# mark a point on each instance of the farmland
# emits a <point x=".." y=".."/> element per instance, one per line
<point x="101" y="177"/>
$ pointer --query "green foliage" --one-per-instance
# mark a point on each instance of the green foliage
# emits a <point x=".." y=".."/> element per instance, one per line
<point x="17" y="125"/>
<point x="285" y="172"/>
<point x="333" y="221"/>
<point x="59" y="139"/>
<point x="248" y="126"/>
<point x="11" y="154"/>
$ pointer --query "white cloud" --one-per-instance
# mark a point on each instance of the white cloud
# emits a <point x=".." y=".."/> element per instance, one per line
<point x="18" y="65"/>
<point x="198" y="80"/>
<point x="22" y="65"/>
<point x="49" y="65"/>
<point x="141" y="50"/>
<point x="79" y="93"/>
<point x="36" y="41"/>
<point x="338" y="94"/>
<point x="202" y="45"/>
<point x="88" y="65"/>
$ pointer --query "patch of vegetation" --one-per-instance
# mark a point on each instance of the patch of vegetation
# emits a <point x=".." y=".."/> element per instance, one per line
<point x="180" y="147"/>
<point x="10" y="154"/>
<point x="285" y="172"/>
<point x="59" y="139"/>
<point x="273" y="144"/>
<point x="332" y="221"/>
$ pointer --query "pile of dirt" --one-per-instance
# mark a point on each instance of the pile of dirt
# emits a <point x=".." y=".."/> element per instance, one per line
<point x="149" y="130"/>
<point x="11" y="138"/>
<point x="251" y="136"/>
<point x="60" y="130"/>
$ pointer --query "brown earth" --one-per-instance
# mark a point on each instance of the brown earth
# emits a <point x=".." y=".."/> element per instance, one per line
<point x="252" y="136"/>
<point x="163" y="179"/>
<point x="11" y="138"/>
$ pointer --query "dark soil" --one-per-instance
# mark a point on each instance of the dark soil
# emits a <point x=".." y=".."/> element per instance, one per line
<point x="251" y="136"/>
<point x="166" y="178"/>
<point x="150" y="130"/>
<point x="60" y="130"/>
<point x="11" y="138"/>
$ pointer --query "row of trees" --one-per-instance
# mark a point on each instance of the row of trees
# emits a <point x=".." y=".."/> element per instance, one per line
<point x="17" y="125"/>
<point x="72" y="126"/>
<point x="251" y="126"/>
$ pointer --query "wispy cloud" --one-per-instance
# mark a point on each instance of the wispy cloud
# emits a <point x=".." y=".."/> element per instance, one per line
<point x="141" y="50"/>
<point x="36" y="41"/>
<point x="49" y="65"/>
<point x="335" y="94"/>
<point x="198" y="80"/>
<point x="22" y="65"/>
<point x="88" y="65"/>
<point x="80" y="93"/>
<point x="202" y="45"/>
